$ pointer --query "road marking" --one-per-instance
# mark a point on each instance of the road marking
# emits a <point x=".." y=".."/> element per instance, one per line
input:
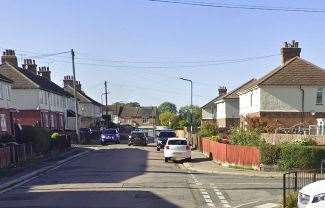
<point x="248" y="203"/>
<point x="268" y="205"/>
<point x="208" y="200"/>
<point x="210" y="204"/>
<point x="221" y="197"/>
<point x="206" y="197"/>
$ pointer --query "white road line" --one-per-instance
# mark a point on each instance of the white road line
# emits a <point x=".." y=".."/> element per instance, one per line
<point x="226" y="205"/>
<point x="268" y="205"/>
<point x="204" y="192"/>
<point x="221" y="197"/>
<point x="248" y="203"/>
<point x="206" y="196"/>
<point x="210" y="204"/>
<point x="208" y="200"/>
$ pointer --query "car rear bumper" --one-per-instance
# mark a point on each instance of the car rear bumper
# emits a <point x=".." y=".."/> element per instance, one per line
<point x="177" y="155"/>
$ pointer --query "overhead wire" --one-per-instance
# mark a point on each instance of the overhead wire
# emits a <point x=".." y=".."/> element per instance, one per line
<point x="241" y="6"/>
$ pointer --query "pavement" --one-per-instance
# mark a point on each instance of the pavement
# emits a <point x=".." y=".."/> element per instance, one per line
<point x="203" y="164"/>
<point x="121" y="176"/>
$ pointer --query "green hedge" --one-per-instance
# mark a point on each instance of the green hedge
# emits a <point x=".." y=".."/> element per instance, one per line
<point x="247" y="137"/>
<point x="289" y="156"/>
<point x="38" y="136"/>
<point x="208" y="130"/>
<point x="269" y="153"/>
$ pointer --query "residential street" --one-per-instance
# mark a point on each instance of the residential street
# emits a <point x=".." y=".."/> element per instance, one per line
<point x="122" y="176"/>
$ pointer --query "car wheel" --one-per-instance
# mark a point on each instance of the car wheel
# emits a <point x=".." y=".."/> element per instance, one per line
<point x="129" y="144"/>
<point x="158" y="149"/>
<point x="102" y="143"/>
<point x="188" y="159"/>
<point x="166" y="159"/>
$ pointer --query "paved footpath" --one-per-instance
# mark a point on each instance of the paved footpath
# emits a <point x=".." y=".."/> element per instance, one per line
<point x="121" y="176"/>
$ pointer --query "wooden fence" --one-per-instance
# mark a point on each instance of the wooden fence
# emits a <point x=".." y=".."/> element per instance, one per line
<point x="14" y="154"/>
<point x="231" y="154"/>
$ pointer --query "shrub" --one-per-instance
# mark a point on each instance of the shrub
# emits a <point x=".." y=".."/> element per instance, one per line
<point x="291" y="199"/>
<point x="38" y="136"/>
<point x="306" y="142"/>
<point x="242" y="136"/>
<point x="208" y="130"/>
<point x="269" y="153"/>
<point x="296" y="156"/>
<point x="55" y="136"/>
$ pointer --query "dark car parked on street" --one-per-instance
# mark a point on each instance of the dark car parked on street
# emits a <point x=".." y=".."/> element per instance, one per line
<point x="109" y="136"/>
<point x="138" y="138"/>
<point x="163" y="136"/>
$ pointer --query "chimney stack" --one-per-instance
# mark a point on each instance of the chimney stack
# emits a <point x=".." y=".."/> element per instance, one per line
<point x="68" y="81"/>
<point x="222" y="90"/>
<point x="9" y="57"/>
<point x="78" y="85"/>
<point x="30" y="64"/>
<point x="44" y="72"/>
<point x="289" y="51"/>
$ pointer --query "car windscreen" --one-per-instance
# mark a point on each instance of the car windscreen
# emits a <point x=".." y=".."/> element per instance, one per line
<point x="109" y="131"/>
<point x="167" y="134"/>
<point x="177" y="142"/>
<point x="138" y="135"/>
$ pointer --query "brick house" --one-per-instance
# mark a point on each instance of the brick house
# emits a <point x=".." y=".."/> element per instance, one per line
<point x="89" y="110"/>
<point x="138" y="116"/>
<point x="291" y="94"/>
<point x="39" y="101"/>
<point x="224" y="109"/>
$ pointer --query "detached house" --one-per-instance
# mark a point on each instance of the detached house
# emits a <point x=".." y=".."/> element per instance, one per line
<point x="89" y="110"/>
<point x="39" y="101"/>
<point x="289" y="95"/>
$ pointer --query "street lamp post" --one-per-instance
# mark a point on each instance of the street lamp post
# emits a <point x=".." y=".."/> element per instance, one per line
<point x="191" y="106"/>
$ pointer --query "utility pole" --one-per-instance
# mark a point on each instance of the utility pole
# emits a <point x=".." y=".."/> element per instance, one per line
<point x="75" y="96"/>
<point x="191" y="107"/>
<point x="106" y="109"/>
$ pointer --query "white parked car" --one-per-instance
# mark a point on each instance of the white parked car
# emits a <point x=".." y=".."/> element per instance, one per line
<point x="312" y="195"/>
<point x="177" y="149"/>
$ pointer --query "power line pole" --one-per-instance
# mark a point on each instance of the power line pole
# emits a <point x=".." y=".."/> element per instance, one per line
<point x="106" y="109"/>
<point x="75" y="96"/>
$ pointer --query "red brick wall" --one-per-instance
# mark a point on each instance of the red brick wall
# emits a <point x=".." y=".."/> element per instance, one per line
<point x="285" y="119"/>
<point x="29" y="117"/>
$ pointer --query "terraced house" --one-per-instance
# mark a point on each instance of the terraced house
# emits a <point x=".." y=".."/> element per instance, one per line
<point x="38" y="100"/>
<point x="89" y="111"/>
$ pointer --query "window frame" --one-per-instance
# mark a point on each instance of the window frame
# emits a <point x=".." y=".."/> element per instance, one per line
<point x="320" y="92"/>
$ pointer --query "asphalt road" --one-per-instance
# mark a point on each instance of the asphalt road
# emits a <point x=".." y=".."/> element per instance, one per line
<point x="122" y="176"/>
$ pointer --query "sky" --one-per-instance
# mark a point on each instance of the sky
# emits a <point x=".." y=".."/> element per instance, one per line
<point x="142" y="47"/>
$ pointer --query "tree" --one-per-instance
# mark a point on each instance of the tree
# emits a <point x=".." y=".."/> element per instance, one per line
<point x="186" y="111"/>
<point x="167" y="107"/>
<point x="166" y="118"/>
<point x="178" y="123"/>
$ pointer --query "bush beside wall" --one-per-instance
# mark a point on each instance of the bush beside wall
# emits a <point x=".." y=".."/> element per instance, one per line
<point x="38" y="136"/>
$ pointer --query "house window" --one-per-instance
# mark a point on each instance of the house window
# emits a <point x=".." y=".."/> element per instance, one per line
<point x="145" y="120"/>
<point x="3" y="122"/>
<point x="251" y="99"/>
<point x="319" y="96"/>
<point x="8" y="93"/>
<point x="52" y="121"/>
<point x="1" y="91"/>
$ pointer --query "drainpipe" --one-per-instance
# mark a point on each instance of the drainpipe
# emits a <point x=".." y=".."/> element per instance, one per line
<point x="302" y="103"/>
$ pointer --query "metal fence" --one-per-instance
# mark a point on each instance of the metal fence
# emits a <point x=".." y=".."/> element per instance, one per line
<point x="14" y="153"/>
<point x="295" y="180"/>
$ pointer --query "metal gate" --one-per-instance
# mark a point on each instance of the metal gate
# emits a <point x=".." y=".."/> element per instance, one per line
<point x="295" y="180"/>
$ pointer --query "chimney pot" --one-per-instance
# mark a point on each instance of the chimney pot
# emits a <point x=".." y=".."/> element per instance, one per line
<point x="9" y="57"/>
<point x="290" y="51"/>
